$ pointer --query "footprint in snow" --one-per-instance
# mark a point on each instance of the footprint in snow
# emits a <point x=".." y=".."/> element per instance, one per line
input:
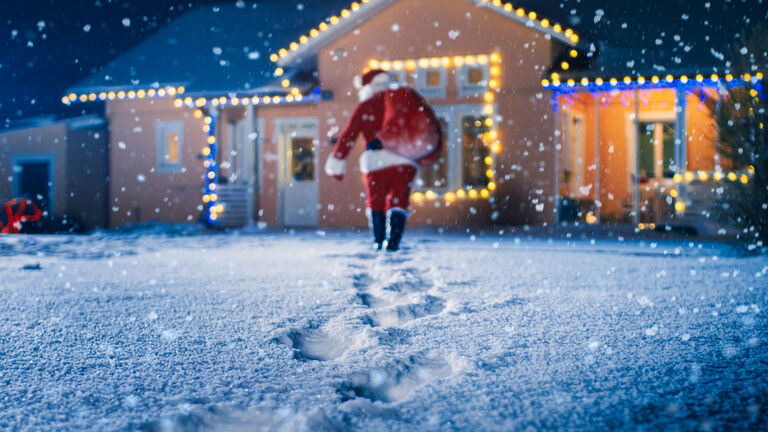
<point x="399" y="315"/>
<point x="395" y="381"/>
<point x="312" y="344"/>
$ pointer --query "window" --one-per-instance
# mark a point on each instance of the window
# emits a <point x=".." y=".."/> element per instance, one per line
<point x="466" y="161"/>
<point x="435" y="176"/>
<point x="303" y="159"/>
<point x="430" y="82"/>
<point x="657" y="150"/>
<point x="474" y="151"/>
<point x="397" y="76"/>
<point x="472" y="79"/>
<point x="169" y="139"/>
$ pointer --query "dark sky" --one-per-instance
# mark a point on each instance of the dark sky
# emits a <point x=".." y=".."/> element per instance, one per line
<point x="47" y="45"/>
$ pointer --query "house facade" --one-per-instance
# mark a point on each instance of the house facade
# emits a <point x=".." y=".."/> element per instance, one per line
<point x="233" y="126"/>
<point x="60" y="165"/>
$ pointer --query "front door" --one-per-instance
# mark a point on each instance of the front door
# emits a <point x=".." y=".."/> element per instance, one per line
<point x="574" y="169"/>
<point x="33" y="181"/>
<point x="299" y="169"/>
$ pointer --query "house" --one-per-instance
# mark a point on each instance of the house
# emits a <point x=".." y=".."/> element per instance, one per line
<point x="61" y="166"/>
<point x="227" y="113"/>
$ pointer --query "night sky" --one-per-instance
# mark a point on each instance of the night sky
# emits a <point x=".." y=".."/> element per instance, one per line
<point x="48" y="45"/>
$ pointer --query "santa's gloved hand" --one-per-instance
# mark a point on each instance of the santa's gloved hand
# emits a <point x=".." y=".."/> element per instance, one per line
<point x="335" y="167"/>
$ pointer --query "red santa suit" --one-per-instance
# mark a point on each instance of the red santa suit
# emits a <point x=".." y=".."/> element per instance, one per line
<point x="398" y="140"/>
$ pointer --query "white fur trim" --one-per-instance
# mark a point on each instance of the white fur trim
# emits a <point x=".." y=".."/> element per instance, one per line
<point x="335" y="166"/>
<point x="373" y="160"/>
<point x="379" y="83"/>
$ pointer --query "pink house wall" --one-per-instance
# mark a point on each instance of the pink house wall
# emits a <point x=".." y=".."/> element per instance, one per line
<point x="425" y="28"/>
<point x="138" y="193"/>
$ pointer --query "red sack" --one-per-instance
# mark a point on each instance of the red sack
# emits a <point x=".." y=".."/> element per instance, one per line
<point x="410" y="127"/>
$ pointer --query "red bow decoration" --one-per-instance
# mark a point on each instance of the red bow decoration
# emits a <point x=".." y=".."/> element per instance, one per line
<point x="15" y="218"/>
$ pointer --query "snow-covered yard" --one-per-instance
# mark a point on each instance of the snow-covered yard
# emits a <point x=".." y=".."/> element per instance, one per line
<point x="312" y="331"/>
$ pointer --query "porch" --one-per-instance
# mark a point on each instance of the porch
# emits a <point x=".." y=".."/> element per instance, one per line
<point x="642" y="156"/>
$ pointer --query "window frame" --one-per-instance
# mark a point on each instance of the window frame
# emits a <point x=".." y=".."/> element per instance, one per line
<point x="453" y="114"/>
<point x="655" y="116"/>
<point x="163" y="129"/>
<point x="462" y="79"/>
<point x="399" y="75"/>
<point x="420" y="82"/>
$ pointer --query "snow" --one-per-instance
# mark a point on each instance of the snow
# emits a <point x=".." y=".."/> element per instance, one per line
<point x="179" y="329"/>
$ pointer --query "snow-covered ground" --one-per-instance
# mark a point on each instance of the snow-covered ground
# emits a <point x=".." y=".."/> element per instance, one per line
<point x="312" y="331"/>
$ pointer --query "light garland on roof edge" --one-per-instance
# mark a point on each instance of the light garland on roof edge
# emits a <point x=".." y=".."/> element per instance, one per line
<point x="653" y="81"/>
<point x="123" y="94"/>
<point x="504" y="8"/>
<point x="294" y="97"/>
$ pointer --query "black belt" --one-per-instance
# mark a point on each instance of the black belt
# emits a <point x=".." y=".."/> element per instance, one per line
<point x="375" y="144"/>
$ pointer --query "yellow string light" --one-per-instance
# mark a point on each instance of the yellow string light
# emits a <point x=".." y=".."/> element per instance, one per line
<point x="490" y="138"/>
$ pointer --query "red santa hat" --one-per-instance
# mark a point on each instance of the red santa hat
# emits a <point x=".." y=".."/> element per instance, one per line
<point x="372" y="82"/>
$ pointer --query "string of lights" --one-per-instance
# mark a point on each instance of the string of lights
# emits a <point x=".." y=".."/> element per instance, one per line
<point x="294" y="97"/>
<point x="212" y="207"/>
<point x="647" y="82"/>
<point x="123" y="95"/>
<point x="490" y="138"/>
<point x="529" y="18"/>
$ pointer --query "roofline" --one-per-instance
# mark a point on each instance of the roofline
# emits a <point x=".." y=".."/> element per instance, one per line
<point x="347" y="19"/>
<point x="87" y="121"/>
<point x="532" y="20"/>
<point x="641" y="82"/>
<point x="329" y="30"/>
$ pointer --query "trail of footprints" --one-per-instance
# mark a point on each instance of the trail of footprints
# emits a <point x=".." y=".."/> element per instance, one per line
<point x="393" y="296"/>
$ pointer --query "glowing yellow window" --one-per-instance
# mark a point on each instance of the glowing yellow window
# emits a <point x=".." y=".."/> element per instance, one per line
<point x="434" y="78"/>
<point x="475" y="76"/>
<point x="172" y="155"/>
<point x="169" y="140"/>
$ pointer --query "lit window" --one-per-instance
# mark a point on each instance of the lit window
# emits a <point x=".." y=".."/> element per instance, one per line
<point x="397" y="76"/>
<point x="303" y="159"/>
<point x="430" y="82"/>
<point x="434" y="78"/>
<point x="169" y="140"/>
<point x="474" y="151"/>
<point x="657" y="150"/>
<point x="473" y="79"/>
<point x="475" y="76"/>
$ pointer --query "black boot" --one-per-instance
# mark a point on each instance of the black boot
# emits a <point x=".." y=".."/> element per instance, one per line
<point x="396" y="229"/>
<point x="378" y="222"/>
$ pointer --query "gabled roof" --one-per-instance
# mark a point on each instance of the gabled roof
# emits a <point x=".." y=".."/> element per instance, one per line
<point x="228" y="48"/>
<point x="212" y="50"/>
<point x="307" y="44"/>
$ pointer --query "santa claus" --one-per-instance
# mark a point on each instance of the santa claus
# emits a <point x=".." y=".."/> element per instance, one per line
<point x="401" y="132"/>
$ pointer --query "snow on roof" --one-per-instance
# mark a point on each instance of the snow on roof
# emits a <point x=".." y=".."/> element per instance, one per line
<point x="211" y="50"/>
<point x="72" y="123"/>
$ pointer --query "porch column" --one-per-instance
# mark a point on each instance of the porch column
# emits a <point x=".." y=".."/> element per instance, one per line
<point x="681" y="135"/>
<point x="558" y="148"/>
<point x="598" y="203"/>
<point x="718" y="161"/>
<point x="249" y="159"/>
<point x="635" y="180"/>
